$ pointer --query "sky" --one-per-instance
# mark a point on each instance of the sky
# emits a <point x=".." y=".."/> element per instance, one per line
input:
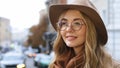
<point x="21" y="13"/>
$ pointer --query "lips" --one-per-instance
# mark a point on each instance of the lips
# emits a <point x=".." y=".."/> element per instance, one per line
<point x="71" y="38"/>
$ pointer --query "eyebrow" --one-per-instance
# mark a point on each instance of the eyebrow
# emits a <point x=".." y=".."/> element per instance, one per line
<point x="63" y="19"/>
<point x="73" y="19"/>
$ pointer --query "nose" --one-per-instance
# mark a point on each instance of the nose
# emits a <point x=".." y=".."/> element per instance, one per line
<point x="69" y="28"/>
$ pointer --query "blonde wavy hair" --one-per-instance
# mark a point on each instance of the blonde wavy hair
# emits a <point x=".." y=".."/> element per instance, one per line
<point x="95" y="54"/>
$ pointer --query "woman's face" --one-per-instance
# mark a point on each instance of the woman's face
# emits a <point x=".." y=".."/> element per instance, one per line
<point x="72" y="28"/>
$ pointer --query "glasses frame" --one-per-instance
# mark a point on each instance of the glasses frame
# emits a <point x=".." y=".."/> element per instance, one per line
<point x="59" y="26"/>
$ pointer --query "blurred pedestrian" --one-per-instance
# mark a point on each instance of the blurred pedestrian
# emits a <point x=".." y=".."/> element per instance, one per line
<point x="81" y="37"/>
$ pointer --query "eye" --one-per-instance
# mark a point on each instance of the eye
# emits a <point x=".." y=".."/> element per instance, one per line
<point x="63" y="23"/>
<point x="77" y="23"/>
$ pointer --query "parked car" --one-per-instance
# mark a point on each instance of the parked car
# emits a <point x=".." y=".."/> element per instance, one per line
<point x="43" y="60"/>
<point x="11" y="60"/>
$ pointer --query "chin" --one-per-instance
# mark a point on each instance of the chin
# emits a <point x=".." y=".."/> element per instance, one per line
<point x="71" y="45"/>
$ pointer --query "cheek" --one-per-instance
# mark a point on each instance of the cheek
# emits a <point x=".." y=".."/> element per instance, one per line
<point x="82" y="38"/>
<point x="82" y="35"/>
<point x="63" y="34"/>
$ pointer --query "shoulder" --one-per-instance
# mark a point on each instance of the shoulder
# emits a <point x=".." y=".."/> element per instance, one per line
<point x="116" y="64"/>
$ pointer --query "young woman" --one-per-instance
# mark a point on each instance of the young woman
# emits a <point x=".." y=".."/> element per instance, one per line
<point x="81" y="37"/>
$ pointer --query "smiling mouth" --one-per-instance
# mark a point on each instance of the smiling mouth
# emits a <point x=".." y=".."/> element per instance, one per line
<point x="71" y="38"/>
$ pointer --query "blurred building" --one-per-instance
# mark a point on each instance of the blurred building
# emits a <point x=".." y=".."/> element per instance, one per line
<point x="19" y="36"/>
<point x="113" y="27"/>
<point x="5" y="31"/>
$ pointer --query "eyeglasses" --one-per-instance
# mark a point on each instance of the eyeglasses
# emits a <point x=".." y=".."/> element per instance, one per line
<point x="75" y="25"/>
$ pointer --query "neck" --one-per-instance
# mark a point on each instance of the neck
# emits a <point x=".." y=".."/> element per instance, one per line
<point x="79" y="49"/>
<point x="77" y="61"/>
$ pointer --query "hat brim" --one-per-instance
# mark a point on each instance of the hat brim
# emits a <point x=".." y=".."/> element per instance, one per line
<point x="56" y="10"/>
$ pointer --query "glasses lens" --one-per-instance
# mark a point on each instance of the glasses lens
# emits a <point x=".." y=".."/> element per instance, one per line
<point x="62" y="25"/>
<point x="76" y="25"/>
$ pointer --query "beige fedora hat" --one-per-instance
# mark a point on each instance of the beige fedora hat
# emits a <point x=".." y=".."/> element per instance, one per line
<point x="87" y="8"/>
